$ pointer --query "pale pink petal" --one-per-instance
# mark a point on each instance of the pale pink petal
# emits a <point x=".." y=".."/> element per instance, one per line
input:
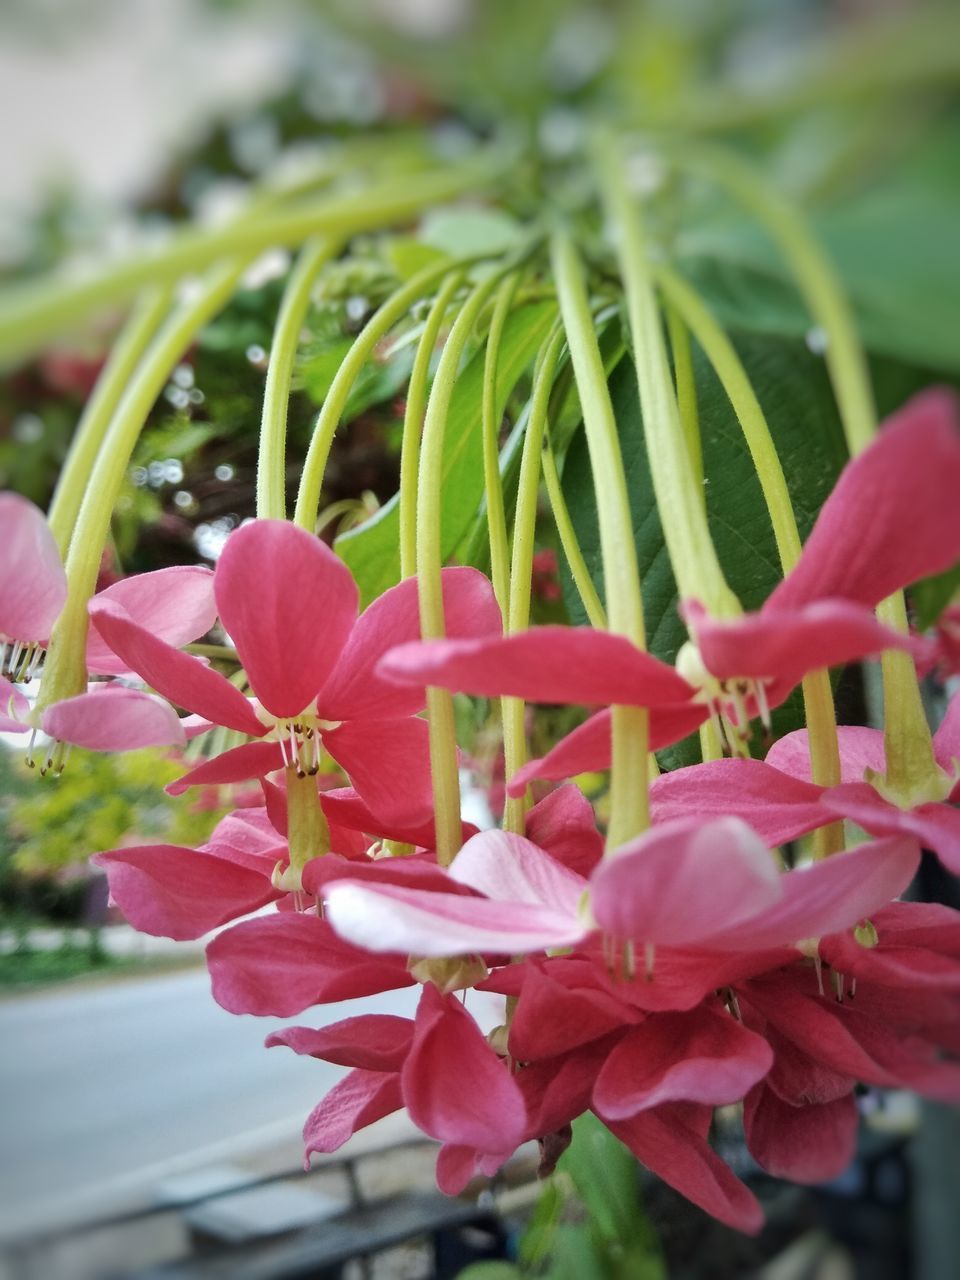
<point x="860" y="749"/>
<point x="565" y="825"/>
<point x="392" y="918"/>
<point x="183" y="680"/>
<point x="778" y="807"/>
<point x="809" y="1144"/>
<point x="935" y="826"/>
<point x="357" y="1100"/>
<point x="544" y="664"/>
<point x="173" y="892"/>
<point x="239" y="764"/>
<point x="675" y="1150"/>
<point x="373" y="1041"/>
<point x="288" y="603"/>
<point x="702" y="1056"/>
<point x="175" y="605"/>
<point x="512" y="869"/>
<point x="33" y="586"/>
<point x="357" y="689"/>
<point x="113" y="719"/>
<point x="455" y="1087"/>
<point x="892" y="516"/>
<point x="14" y="708"/>
<point x="388" y="762"/>
<point x="684" y="881"/>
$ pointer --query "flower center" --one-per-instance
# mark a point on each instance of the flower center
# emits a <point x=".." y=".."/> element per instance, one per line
<point x="301" y="742"/>
<point x="19" y="660"/>
<point x="732" y="702"/>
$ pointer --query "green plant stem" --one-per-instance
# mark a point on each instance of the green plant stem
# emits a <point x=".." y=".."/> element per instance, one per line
<point x="493" y="486"/>
<point x="679" y="496"/>
<point x="686" y="389"/>
<point x="443" y="741"/>
<point x="629" y="802"/>
<point x="271" y="457"/>
<point x="31" y="314"/>
<point x="413" y="417"/>
<point x="376" y="328"/>
<point x="124" y="356"/>
<point x="65" y="671"/>
<point x="592" y="606"/>
<point x="521" y="566"/>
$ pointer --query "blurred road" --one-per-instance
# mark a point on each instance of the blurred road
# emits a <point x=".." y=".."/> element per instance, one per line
<point x="106" y="1090"/>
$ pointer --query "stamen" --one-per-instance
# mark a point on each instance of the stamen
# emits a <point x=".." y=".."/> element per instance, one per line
<point x="838" y="986"/>
<point x="649" y="951"/>
<point x="818" y="965"/>
<point x="30" y="746"/>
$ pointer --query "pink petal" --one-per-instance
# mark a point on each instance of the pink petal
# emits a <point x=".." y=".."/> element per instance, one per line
<point x="557" y="1090"/>
<point x="809" y="1144"/>
<point x="784" y="644"/>
<point x="280" y="965"/>
<point x="289" y="605"/>
<point x="684" y="881"/>
<point x="357" y="1100"/>
<point x="564" y="824"/>
<point x="512" y="869"/>
<point x="183" y="680"/>
<point x="413" y="872"/>
<point x="455" y="1087"/>
<point x="666" y="1141"/>
<point x="701" y="1056"/>
<point x="176" y="605"/>
<point x="251" y="760"/>
<point x="373" y="1041"/>
<point x="892" y="516"/>
<point x="778" y="807"/>
<point x="860" y="749"/>
<point x="946" y="741"/>
<point x="33" y="586"/>
<point x="936" y="826"/>
<point x="388" y="762"/>
<point x="113" y="719"/>
<point x="391" y="918"/>
<point x="14" y="708"/>
<point x="344" y="806"/>
<point x="173" y="892"/>
<point x="356" y="689"/>
<point x="551" y="1018"/>
<point x="544" y="664"/>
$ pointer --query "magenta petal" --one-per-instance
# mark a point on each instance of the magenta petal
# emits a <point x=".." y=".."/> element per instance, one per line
<point x="684" y="881"/>
<point x="373" y="1041"/>
<point x="454" y="1085"/>
<point x="176" y="605"/>
<point x="357" y="1100"/>
<point x="388" y="763"/>
<point x="356" y="689"/>
<point x="565" y="825"/>
<point x="14" y="708"/>
<point x="33" y="586"/>
<point x="671" y="1147"/>
<point x="551" y="1018"/>
<point x="288" y="603"/>
<point x="416" y="871"/>
<point x="808" y="1144"/>
<point x="936" y="826"/>
<point x="892" y="516"/>
<point x="183" y="680"/>
<point x="860" y="749"/>
<point x="239" y="764"/>
<point x="114" y="719"/>
<point x="544" y="664"/>
<point x="279" y="965"/>
<point x="172" y="892"/>
<point x="512" y="869"/>
<point x="701" y="1056"/>
<point x="777" y="806"/>
<point x="946" y="741"/>
<point x="385" y="917"/>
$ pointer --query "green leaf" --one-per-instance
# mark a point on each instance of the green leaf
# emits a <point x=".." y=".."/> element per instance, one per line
<point x="463" y="233"/>
<point x="372" y="549"/>
<point x="932" y="595"/>
<point x="605" y="1175"/>
<point x="490" y="1271"/>
<point x="407" y="256"/>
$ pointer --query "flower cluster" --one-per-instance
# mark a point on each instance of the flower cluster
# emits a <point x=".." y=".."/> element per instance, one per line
<point x="687" y="968"/>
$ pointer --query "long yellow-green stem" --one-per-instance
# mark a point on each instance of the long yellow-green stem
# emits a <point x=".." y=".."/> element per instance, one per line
<point x="592" y="606"/>
<point x="111" y="383"/>
<point x="686" y="388"/>
<point x="629" y="803"/>
<point x="443" y="741"/>
<point x="413" y="416"/>
<point x="271" y="458"/>
<point x="376" y="328"/>
<point x="679" y="496"/>
<point x="65" y="668"/>
<point x="490" y="425"/>
<point x="31" y="314"/>
<point x="521" y="566"/>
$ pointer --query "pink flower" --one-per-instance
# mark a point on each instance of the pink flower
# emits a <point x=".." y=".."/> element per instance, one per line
<point x="290" y="606"/>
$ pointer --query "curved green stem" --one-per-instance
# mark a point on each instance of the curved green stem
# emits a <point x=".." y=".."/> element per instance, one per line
<point x="271" y="458"/>
<point x="379" y="325"/>
<point x="592" y="606"/>
<point x="413" y="417"/>
<point x="493" y="486"/>
<point x="629" y="805"/>
<point x="116" y="373"/>
<point x="686" y="388"/>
